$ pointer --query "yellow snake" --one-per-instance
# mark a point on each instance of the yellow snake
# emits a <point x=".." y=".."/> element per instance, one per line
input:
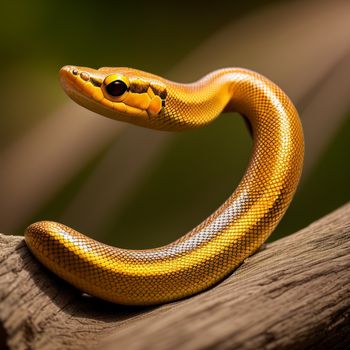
<point x="212" y="250"/>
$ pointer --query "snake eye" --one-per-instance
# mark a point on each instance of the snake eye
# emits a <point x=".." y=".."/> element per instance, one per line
<point x="116" y="88"/>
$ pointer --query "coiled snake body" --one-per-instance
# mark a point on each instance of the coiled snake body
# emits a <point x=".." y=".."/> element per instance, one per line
<point x="233" y="232"/>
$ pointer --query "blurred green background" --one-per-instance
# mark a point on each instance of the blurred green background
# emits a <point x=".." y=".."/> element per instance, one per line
<point x="138" y="188"/>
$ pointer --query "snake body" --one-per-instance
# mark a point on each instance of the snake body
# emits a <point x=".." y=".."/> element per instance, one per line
<point x="233" y="232"/>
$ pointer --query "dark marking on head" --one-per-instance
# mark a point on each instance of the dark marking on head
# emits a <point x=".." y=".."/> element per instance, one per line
<point x="159" y="90"/>
<point x="138" y="86"/>
<point x="163" y="103"/>
<point x="163" y="94"/>
<point x="95" y="82"/>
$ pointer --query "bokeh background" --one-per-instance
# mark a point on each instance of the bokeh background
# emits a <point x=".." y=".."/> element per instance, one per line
<point x="139" y="188"/>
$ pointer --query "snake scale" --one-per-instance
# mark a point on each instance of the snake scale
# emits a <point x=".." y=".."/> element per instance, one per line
<point x="213" y="249"/>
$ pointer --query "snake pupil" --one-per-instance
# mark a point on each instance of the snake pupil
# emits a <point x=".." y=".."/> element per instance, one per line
<point x="116" y="88"/>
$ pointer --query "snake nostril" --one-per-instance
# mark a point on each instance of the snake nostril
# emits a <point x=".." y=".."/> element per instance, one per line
<point x="66" y="71"/>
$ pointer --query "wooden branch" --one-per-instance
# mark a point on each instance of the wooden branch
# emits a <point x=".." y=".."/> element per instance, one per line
<point x="294" y="294"/>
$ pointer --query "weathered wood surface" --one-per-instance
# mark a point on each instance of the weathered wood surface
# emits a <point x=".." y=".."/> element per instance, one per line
<point x="294" y="294"/>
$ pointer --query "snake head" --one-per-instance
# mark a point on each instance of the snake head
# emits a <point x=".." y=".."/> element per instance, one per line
<point x="119" y="93"/>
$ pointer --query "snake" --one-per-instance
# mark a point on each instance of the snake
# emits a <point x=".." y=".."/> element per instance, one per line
<point x="203" y="257"/>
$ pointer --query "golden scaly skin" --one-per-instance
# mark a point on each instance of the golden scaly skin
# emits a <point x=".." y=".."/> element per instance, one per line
<point x="236" y="230"/>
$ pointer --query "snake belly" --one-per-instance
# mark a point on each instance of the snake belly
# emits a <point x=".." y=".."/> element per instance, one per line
<point x="213" y="249"/>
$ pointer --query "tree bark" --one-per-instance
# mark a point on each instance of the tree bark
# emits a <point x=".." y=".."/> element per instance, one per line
<point x="293" y="294"/>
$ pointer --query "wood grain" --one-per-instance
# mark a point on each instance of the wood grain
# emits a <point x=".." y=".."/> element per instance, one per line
<point x="293" y="294"/>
